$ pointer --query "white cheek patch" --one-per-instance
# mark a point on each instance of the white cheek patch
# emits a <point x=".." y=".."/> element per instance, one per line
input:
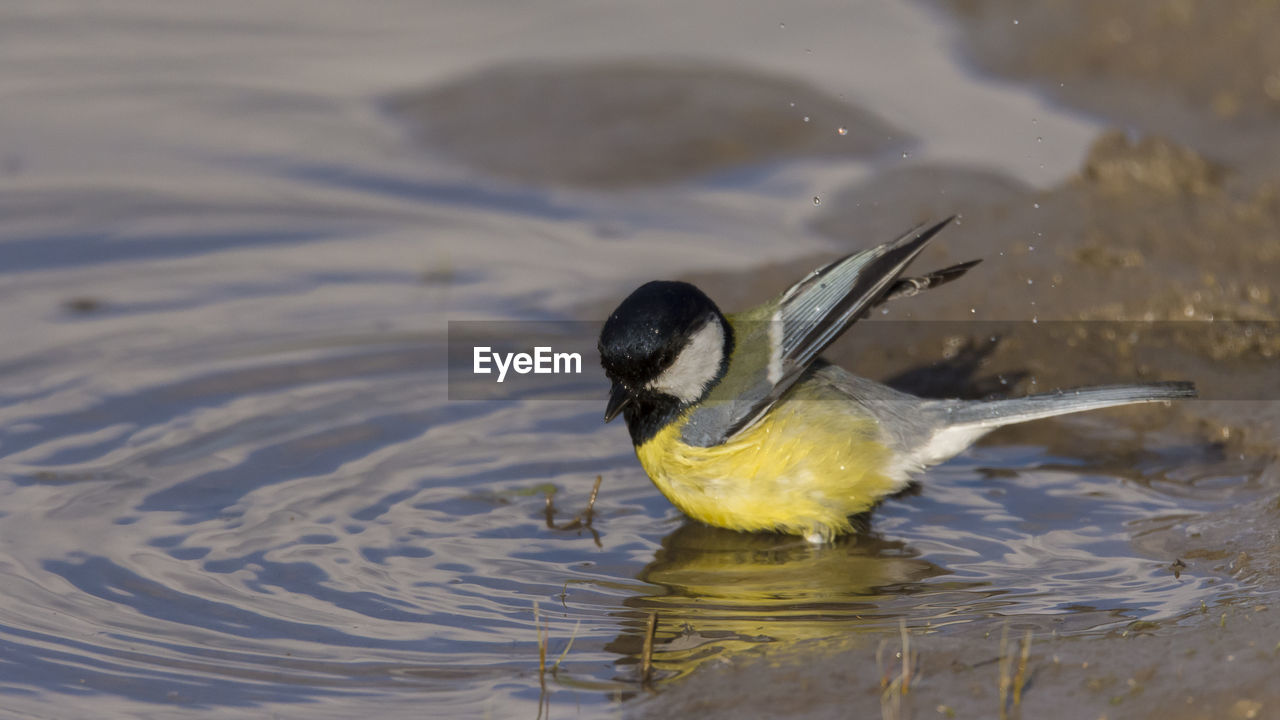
<point x="695" y="366"/>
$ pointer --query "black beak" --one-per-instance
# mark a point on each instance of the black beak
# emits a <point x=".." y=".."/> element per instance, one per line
<point x="618" y="399"/>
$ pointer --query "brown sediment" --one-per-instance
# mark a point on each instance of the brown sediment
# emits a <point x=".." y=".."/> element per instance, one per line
<point x="1205" y="73"/>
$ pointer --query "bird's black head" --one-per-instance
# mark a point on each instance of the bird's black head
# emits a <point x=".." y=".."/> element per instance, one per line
<point x="664" y="347"/>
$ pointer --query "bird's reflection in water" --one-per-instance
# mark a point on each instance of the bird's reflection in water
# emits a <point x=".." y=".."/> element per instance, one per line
<point x="718" y="592"/>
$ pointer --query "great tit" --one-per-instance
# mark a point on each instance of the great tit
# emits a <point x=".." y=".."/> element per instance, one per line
<point x="741" y="425"/>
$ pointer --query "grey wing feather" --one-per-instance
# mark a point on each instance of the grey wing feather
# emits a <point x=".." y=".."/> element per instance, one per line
<point x="816" y="310"/>
<point x="911" y="286"/>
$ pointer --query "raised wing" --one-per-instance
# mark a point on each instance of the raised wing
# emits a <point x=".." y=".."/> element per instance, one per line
<point x="808" y="317"/>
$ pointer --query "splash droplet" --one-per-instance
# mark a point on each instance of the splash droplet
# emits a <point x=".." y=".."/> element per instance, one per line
<point x="842" y="131"/>
<point x="817" y="200"/>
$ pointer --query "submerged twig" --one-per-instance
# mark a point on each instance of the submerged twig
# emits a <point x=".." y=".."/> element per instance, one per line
<point x="646" y="652"/>
<point x="581" y="521"/>
<point x="543" y="700"/>
<point x="591" y="501"/>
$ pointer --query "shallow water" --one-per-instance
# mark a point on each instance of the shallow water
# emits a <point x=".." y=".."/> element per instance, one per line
<point x="231" y="476"/>
<point x="309" y="521"/>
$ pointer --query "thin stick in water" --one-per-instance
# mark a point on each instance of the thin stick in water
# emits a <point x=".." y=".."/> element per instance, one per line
<point x="646" y="654"/>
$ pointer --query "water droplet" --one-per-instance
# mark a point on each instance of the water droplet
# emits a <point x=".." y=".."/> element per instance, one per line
<point x="1035" y="320"/>
<point x="1031" y="248"/>
<point x="973" y="311"/>
<point x="807" y="51"/>
<point x="1029" y="281"/>
<point x="782" y="26"/>
<point x="1039" y="139"/>
<point x="793" y="104"/>
<point x="1035" y="205"/>
<point x="1015" y="21"/>
<point x="1034" y="121"/>
<point x="806" y="118"/>
<point x="905" y="154"/>
<point x="842" y="131"/>
<point x="817" y="200"/>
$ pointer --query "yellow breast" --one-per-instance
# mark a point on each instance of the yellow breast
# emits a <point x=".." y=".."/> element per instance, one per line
<point x="804" y="468"/>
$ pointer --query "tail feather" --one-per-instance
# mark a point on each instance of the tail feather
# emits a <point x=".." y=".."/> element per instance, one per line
<point x="995" y="413"/>
<point x="964" y="421"/>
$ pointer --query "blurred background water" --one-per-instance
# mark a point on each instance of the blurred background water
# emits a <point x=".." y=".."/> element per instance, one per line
<point x="232" y="481"/>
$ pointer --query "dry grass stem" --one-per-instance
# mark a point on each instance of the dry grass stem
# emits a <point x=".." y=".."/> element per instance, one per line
<point x="1005" y="664"/>
<point x="542" y="645"/>
<point x="556" y="668"/>
<point x="906" y="656"/>
<point x="884" y="674"/>
<point x="893" y="690"/>
<point x="1020" y="679"/>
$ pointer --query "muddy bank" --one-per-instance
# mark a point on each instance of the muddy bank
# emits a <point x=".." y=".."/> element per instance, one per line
<point x="1214" y="666"/>
<point x="1206" y="74"/>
